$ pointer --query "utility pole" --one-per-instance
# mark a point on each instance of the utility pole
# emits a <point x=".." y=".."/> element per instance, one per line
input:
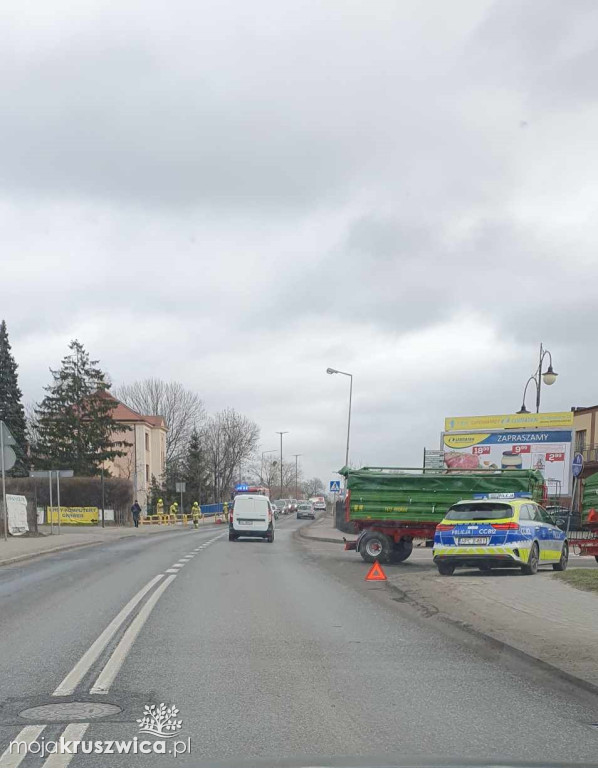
<point x="296" y="455"/>
<point x="281" y="434"/>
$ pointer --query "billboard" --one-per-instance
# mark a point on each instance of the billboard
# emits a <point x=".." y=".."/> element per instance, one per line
<point x="558" y="420"/>
<point x="547" y="450"/>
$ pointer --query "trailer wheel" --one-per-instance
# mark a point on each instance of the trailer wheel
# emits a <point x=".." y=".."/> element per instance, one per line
<point x="375" y="546"/>
<point x="401" y="551"/>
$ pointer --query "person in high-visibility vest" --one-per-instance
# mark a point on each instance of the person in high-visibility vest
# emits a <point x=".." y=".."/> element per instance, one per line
<point x="225" y="511"/>
<point x="174" y="510"/>
<point x="160" y="507"/>
<point x="195" y="513"/>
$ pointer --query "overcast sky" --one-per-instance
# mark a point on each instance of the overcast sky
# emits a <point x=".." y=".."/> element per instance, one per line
<point x="237" y="195"/>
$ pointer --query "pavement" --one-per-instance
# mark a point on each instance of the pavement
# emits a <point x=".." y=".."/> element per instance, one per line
<point x="19" y="548"/>
<point x="269" y="652"/>
<point x="538" y="616"/>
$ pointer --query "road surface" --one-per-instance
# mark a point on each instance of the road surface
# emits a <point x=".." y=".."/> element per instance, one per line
<point x="267" y="651"/>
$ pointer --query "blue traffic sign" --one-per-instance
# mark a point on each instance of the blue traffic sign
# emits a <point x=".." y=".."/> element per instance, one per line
<point x="577" y="465"/>
<point x="335" y="486"/>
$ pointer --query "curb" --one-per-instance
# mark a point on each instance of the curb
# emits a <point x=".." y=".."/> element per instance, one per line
<point x="329" y="539"/>
<point x="430" y="611"/>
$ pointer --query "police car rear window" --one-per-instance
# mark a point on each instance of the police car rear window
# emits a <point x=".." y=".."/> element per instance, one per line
<point x="479" y="511"/>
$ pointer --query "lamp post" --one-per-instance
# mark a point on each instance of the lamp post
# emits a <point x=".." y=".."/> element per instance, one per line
<point x="548" y="376"/>
<point x="296" y="455"/>
<point x="350" y="375"/>
<point x="281" y="434"/>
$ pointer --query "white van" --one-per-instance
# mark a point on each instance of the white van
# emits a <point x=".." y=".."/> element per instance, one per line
<point x="252" y="517"/>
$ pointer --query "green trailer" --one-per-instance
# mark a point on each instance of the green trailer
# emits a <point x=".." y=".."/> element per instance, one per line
<point x="389" y="507"/>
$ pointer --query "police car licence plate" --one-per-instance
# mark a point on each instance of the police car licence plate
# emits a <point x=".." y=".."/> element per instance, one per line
<point x="468" y="540"/>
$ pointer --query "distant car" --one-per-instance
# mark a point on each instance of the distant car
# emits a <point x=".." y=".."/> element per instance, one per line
<point x="293" y="504"/>
<point x="283" y="506"/>
<point x="305" y="509"/>
<point x="252" y="517"/>
<point x="499" y="533"/>
<point x="319" y="503"/>
<point x="276" y="510"/>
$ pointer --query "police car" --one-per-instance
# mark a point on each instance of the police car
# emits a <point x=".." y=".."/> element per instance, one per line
<point x="499" y="531"/>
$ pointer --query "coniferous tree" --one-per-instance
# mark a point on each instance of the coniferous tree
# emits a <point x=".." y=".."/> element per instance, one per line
<point x="195" y="470"/>
<point x="11" y="407"/>
<point x="76" y="429"/>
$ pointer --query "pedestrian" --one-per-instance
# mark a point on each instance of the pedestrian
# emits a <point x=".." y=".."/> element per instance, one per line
<point x="196" y="513"/>
<point x="160" y="507"/>
<point x="174" y="510"/>
<point x="136" y="511"/>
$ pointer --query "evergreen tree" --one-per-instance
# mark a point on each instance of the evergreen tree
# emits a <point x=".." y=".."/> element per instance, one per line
<point x="75" y="418"/>
<point x="11" y="407"/>
<point x="195" y="470"/>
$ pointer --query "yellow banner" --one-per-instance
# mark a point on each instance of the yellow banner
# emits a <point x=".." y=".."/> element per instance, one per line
<point x="73" y="515"/>
<point x="510" y="421"/>
<point x="463" y="441"/>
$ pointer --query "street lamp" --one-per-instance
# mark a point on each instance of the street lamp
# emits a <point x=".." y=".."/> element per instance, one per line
<point x="281" y="434"/>
<point x="548" y="376"/>
<point x="296" y="455"/>
<point x="350" y="375"/>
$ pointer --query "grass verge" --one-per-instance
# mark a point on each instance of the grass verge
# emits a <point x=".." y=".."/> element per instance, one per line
<point x="580" y="578"/>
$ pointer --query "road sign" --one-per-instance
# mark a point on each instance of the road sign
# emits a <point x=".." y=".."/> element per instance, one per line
<point x="376" y="573"/>
<point x="433" y="460"/>
<point x="181" y="487"/>
<point x="9" y="458"/>
<point x="7" y="437"/>
<point x="44" y="472"/>
<point x="335" y="486"/>
<point x="577" y="464"/>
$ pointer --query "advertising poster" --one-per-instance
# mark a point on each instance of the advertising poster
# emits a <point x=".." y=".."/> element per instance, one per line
<point x="548" y="451"/>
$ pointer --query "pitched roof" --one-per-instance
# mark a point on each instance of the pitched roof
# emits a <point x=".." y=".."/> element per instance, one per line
<point x="122" y="412"/>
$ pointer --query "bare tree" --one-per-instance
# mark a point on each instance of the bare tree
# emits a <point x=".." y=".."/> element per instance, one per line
<point x="268" y="475"/>
<point x="313" y="487"/>
<point x="229" y="439"/>
<point x="181" y="409"/>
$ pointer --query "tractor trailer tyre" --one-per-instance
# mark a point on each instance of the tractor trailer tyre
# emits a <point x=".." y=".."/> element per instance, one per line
<point x="375" y="546"/>
<point x="401" y="551"/>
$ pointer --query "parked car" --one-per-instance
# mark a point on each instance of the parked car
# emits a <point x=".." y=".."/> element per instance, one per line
<point x="252" y="517"/>
<point x="305" y="509"/>
<point x="490" y="533"/>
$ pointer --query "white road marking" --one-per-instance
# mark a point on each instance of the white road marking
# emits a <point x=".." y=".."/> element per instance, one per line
<point x="73" y="732"/>
<point x="115" y="662"/>
<point x="12" y="759"/>
<point x="172" y="570"/>
<point x="82" y="667"/>
<point x="180" y="564"/>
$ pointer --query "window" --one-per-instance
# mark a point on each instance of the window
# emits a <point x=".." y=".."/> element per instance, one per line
<point x="147" y="475"/>
<point x="580" y="439"/>
<point x="475" y="511"/>
<point x="525" y="513"/>
<point x="147" y="447"/>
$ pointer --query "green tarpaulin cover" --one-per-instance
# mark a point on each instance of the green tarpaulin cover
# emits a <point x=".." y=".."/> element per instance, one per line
<point x="589" y="500"/>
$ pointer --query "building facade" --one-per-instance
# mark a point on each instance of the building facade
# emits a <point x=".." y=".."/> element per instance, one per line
<point x="145" y="450"/>
<point x="585" y="424"/>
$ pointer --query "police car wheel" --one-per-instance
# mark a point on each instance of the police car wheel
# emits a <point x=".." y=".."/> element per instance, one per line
<point x="562" y="563"/>
<point x="531" y="566"/>
<point x="446" y="569"/>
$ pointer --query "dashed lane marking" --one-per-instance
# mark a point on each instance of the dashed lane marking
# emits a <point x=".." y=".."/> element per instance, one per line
<point x="12" y="759"/>
<point x="73" y="732"/>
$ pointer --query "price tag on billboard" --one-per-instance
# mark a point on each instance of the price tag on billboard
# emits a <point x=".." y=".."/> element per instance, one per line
<point x="555" y="457"/>
<point x="480" y="450"/>
<point x="522" y="449"/>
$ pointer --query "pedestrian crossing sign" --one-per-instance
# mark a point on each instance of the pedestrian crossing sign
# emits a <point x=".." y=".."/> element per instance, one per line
<point x="335" y="486"/>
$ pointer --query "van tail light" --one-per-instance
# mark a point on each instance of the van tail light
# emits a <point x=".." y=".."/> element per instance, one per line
<point x="506" y="526"/>
<point x="444" y="527"/>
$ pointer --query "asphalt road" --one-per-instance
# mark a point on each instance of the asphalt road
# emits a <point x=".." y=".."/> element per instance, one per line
<point x="268" y="651"/>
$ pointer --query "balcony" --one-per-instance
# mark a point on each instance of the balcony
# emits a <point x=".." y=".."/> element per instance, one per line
<point x="589" y="453"/>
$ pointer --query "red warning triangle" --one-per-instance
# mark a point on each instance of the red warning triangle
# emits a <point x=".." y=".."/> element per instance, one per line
<point x="376" y="573"/>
